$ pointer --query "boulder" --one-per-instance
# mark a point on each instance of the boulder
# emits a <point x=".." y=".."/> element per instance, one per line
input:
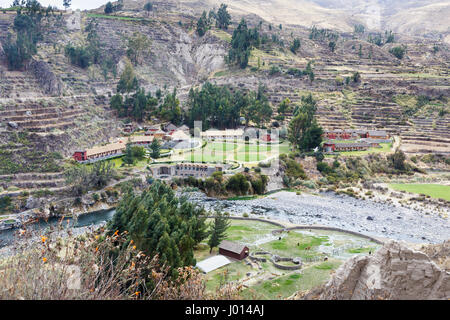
<point x="13" y="124"/>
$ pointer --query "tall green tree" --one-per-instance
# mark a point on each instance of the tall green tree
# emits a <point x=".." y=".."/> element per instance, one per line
<point x="148" y="7"/>
<point x="67" y="3"/>
<point x="128" y="158"/>
<point x="138" y="45"/>
<point x="202" y="24"/>
<point x="223" y="18"/>
<point x="303" y="131"/>
<point x="295" y="45"/>
<point x="155" y="148"/>
<point x="28" y="31"/>
<point x="128" y="80"/>
<point x="218" y="230"/>
<point x="109" y="8"/>
<point x="242" y="41"/>
<point x="161" y="223"/>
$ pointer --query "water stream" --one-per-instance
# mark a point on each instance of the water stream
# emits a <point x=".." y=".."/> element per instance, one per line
<point x="328" y="209"/>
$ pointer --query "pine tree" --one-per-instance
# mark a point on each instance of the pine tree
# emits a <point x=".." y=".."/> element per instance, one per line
<point x="155" y="147"/>
<point x="66" y="3"/>
<point x="160" y="223"/>
<point x="223" y="18"/>
<point x="218" y="230"/>
<point x="128" y="157"/>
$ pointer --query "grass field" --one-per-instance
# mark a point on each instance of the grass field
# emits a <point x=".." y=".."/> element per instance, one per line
<point x="284" y="286"/>
<point x="437" y="191"/>
<point x="295" y="245"/>
<point x="221" y="151"/>
<point x="269" y="282"/>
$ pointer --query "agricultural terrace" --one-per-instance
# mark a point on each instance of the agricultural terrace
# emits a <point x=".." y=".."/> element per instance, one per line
<point x="322" y="252"/>
<point x="437" y="191"/>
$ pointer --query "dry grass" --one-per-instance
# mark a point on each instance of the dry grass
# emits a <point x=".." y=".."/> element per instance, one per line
<point x="94" y="266"/>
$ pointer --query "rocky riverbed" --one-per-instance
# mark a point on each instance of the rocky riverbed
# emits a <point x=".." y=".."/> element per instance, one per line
<point x="328" y="209"/>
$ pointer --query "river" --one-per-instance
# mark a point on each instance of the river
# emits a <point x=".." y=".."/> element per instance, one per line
<point x="327" y="209"/>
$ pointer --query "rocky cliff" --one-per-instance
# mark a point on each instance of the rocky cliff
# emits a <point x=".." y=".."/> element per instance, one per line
<point x="394" y="272"/>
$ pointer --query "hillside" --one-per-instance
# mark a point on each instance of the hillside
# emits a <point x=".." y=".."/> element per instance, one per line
<point x="52" y="108"/>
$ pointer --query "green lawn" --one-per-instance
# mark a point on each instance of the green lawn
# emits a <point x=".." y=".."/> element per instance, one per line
<point x="437" y="191"/>
<point x="248" y="231"/>
<point x="284" y="286"/>
<point x="222" y="151"/>
<point x="294" y="245"/>
<point x="219" y="146"/>
<point x="270" y="282"/>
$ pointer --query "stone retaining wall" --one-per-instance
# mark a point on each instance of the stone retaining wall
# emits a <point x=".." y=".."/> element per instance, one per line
<point x="378" y="241"/>
<point x="336" y="229"/>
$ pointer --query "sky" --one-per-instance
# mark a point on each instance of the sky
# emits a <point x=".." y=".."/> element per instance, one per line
<point x="76" y="4"/>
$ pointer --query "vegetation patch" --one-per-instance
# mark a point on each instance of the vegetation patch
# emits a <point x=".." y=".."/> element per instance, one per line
<point x="437" y="191"/>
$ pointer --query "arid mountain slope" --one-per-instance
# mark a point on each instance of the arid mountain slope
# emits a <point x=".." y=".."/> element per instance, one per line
<point x="420" y="17"/>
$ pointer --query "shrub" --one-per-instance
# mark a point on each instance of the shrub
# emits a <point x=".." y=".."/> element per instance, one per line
<point x="398" y="52"/>
<point x="5" y="203"/>
<point x="295" y="170"/>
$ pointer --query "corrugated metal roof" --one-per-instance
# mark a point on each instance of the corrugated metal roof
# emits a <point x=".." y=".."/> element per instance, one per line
<point x="232" y="246"/>
<point x="213" y="263"/>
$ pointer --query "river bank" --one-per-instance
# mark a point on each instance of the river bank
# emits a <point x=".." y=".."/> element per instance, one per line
<point x="376" y="219"/>
<point x="379" y="220"/>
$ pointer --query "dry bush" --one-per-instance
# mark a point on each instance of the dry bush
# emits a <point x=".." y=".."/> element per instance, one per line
<point x="94" y="266"/>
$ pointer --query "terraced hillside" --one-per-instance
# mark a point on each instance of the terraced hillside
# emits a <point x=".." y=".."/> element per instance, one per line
<point x="53" y="107"/>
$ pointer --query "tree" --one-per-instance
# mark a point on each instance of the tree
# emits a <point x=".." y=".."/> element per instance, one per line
<point x="295" y="45"/>
<point x="128" y="158"/>
<point x="218" y="230"/>
<point x="139" y="105"/>
<point x="303" y="131"/>
<point x="312" y="137"/>
<point x="398" y="52"/>
<point x="356" y="77"/>
<point x="238" y="184"/>
<point x="138" y="45"/>
<point x="27" y="26"/>
<point x="128" y="81"/>
<point x="82" y="178"/>
<point x="284" y="106"/>
<point x="223" y="18"/>
<point x="109" y="8"/>
<point x="258" y="109"/>
<point x="148" y="7"/>
<point x="202" y="25"/>
<point x="159" y="223"/>
<point x="116" y="102"/>
<point x="66" y="3"/>
<point x="170" y="109"/>
<point x="296" y="128"/>
<point x="242" y="41"/>
<point x="155" y="148"/>
<point x="332" y="45"/>
<point x="398" y="160"/>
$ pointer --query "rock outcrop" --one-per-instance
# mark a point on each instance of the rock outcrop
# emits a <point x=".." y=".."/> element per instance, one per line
<point x="46" y="78"/>
<point x="393" y="272"/>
